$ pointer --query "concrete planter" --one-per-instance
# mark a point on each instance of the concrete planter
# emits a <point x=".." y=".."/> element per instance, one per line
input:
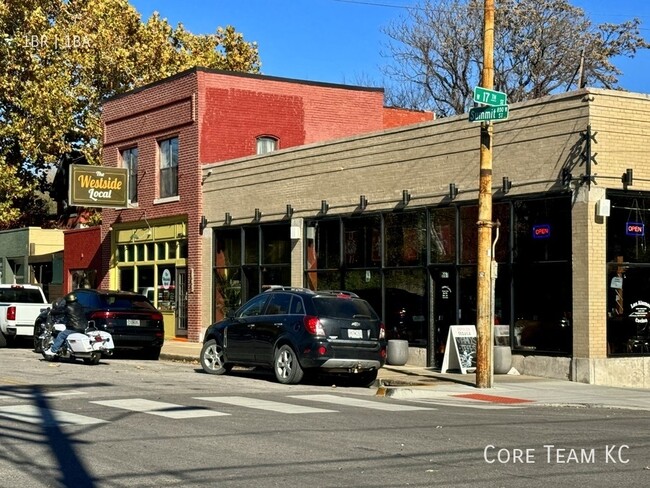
<point x="502" y="359"/>
<point x="397" y="352"/>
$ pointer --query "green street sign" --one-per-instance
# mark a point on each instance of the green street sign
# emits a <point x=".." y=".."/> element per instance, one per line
<point x="489" y="97"/>
<point x="484" y="114"/>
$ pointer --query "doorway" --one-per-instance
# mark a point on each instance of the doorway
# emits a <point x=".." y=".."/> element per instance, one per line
<point x="181" y="302"/>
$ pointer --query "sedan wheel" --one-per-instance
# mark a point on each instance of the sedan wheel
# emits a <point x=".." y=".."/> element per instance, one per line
<point x="286" y="366"/>
<point x="212" y="358"/>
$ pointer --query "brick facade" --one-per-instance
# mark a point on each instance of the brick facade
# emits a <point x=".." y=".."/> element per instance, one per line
<point x="216" y="116"/>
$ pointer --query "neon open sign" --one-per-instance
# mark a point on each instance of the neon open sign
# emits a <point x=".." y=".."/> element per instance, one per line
<point x="542" y="231"/>
<point x="636" y="229"/>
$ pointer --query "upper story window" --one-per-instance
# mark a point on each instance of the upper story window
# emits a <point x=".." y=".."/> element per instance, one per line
<point x="130" y="162"/>
<point x="266" y="145"/>
<point x="169" y="167"/>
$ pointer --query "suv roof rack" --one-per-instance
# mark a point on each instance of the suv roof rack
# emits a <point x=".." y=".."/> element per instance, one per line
<point x="285" y="288"/>
<point x="340" y="292"/>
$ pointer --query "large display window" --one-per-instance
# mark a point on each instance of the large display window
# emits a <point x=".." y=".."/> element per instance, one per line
<point x="628" y="276"/>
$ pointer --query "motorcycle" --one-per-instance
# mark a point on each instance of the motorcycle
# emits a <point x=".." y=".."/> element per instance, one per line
<point x="89" y="345"/>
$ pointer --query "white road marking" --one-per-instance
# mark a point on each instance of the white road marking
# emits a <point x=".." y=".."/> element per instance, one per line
<point x="35" y="415"/>
<point x="357" y="402"/>
<point x="265" y="405"/>
<point x="162" y="409"/>
<point x="47" y="394"/>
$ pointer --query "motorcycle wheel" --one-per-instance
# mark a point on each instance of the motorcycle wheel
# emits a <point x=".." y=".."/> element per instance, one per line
<point x="93" y="359"/>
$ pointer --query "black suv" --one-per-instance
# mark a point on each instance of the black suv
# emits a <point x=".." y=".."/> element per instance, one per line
<point x="295" y="330"/>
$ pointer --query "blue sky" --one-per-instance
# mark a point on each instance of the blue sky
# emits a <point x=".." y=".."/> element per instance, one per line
<point x="340" y="41"/>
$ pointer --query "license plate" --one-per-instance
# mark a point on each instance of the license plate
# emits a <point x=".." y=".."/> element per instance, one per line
<point x="355" y="333"/>
<point x="135" y="322"/>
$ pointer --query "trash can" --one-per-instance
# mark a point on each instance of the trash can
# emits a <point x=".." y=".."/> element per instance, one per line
<point x="397" y="352"/>
<point x="502" y="359"/>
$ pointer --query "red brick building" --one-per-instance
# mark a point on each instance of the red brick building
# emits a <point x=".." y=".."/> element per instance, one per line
<point x="164" y="133"/>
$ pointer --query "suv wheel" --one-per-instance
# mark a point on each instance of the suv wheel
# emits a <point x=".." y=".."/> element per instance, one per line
<point x="212" y="359"/>
<point x="286" y="366"/>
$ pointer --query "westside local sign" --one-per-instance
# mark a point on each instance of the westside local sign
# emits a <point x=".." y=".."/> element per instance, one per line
<point x="96" y="186"/>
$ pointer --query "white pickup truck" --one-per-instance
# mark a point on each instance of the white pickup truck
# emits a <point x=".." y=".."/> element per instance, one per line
<point x="19" y="307"/>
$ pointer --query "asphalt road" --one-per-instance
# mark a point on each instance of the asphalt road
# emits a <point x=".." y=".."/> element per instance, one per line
<point x="133" y="423"/>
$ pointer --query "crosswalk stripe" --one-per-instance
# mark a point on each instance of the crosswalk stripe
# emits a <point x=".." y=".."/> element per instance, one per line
<point x="357" y="402"/>
<point x="46" y="417"/>
<point x="162" y="409"/>
<point x="31" y="395"/>
<point x="265" y="405"/>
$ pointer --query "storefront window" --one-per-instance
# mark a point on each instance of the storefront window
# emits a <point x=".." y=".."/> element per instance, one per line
<point x="166" y="288"/>
<point x="405" y="238"/>
<point x="362" y="242"/>
<point x="442" y="235"/>
<point x="543" y="230"/>
<point x="628" y="276"/>
<point x="275" y="244"/>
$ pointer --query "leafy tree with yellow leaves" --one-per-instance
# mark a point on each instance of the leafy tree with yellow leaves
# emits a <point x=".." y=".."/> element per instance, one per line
<point x="60" y="59"/>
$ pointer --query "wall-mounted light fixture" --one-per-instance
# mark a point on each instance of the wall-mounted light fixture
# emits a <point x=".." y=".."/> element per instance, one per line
<point x="628" y="177"/>
<point x="406" y="197"/>
<point x="507" y="184"/>
<point x="258" y="215"/>
<point x="228" y="218"/>
<point x="453" y="190"/>
<point x="289" y="210"/>
<point x="203" y="224"/>
<point x="324" y="206"/>
<point x="363" y="202"/>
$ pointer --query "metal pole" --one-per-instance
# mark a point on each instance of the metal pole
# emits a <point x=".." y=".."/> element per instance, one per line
<point x="484" y="371"/>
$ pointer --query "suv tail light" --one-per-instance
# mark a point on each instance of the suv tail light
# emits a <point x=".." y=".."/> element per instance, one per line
<point x="11" y="313"/>
<point x="313" y="325"/>
<point x="382" y="331"/>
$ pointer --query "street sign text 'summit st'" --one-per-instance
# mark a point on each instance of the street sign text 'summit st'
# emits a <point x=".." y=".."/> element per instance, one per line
<point x="483" y="114"/>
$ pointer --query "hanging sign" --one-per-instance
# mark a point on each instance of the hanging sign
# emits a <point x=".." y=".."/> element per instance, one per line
<point x="635" y="229"/>
<point x="460" y="351"/>
<point x="542" y="231"/>
<point x="98" y="186"/>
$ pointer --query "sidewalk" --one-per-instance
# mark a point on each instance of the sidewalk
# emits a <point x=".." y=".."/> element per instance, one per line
<point x="415" y="382"/>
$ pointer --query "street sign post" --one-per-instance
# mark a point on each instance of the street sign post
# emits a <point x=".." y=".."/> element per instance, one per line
<point x="490" y="97"/>
<point x="484" y="114"/>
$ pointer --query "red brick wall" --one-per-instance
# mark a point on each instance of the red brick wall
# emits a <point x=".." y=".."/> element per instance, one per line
<point x="143" y="118"/>
<point x="81" y="250"/>
<point x="234" y="110"/>
<point x="397" y="117"/>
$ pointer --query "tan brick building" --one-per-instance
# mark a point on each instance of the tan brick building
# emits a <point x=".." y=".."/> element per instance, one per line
<point x="392" y="215"/>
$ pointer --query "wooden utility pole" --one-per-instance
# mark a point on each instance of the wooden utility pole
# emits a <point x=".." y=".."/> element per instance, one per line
<point x="484" y="326"/>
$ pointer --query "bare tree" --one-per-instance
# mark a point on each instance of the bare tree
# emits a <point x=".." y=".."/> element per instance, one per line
<point x="541" y="47"/>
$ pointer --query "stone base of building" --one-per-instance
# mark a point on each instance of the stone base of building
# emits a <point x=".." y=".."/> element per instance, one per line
<point x="630" y="372"/>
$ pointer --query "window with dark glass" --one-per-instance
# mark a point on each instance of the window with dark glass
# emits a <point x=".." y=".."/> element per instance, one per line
<point x="628" y="276"/>
<point x="130" y="162"/>
<point x="442" y="235"/>
<point x="405" y="238"/>
<point x="362" y="242"/>
<point x="542" y="276"/>
<point x="168" y="149"/>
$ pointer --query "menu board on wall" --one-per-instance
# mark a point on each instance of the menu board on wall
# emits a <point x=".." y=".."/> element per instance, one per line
<point x="460" y="351"/>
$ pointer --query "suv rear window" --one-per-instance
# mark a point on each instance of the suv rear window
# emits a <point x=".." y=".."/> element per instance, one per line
<point x="343" y="308"/>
